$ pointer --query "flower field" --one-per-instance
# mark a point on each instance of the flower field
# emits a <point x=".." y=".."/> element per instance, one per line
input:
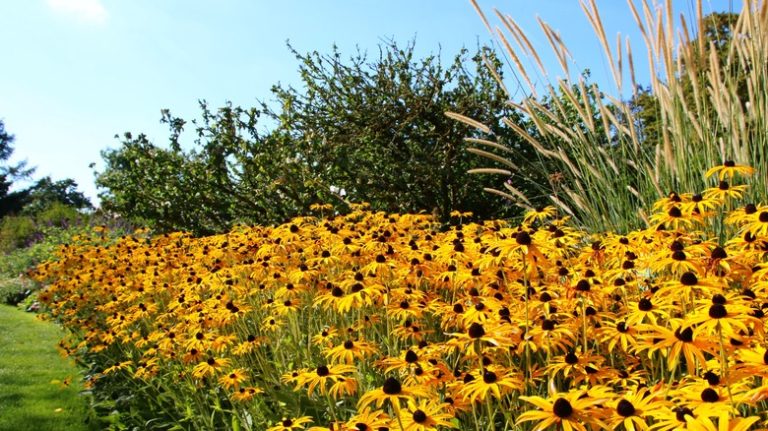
<point x="374" y="321"/>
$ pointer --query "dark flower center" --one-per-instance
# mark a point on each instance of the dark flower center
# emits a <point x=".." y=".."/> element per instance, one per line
<point x="625" y="408"/>
<point x="583" y="286"/>
<point x="323" y="371"/>
<point x="562" y="408"/>
<point x="675" y="212"/>
<point x="458" y="308"/>
<point x="676" y="246"/>
<point x="712" y="378"/>
<point x="392" y="386"/>
<point x="729" y="163"/>
<point x="337" y="292"/>
<point x="723" y="185"/>
<point x="686" y="335"/>
<point x="349" y="344"/>
<point x="682" y="412"/>
<point x="523" y="238"/>
<point x="678" y="255"/>
<point x="571" y="358"/>
<point x="645" y="305"/>
<point x="689" y="279"/>
<point x="718" y="299"/>
<point x="622" y="327"/>
<point x="750" y="209"/>
<point x="489" y="377"/>
<point x="710" y="395"/>
<point x="411" y="357"/>
<point x="288" y="422"/>
<point x="719" y="253"/>
<point x="476" y="330"/>
<point x="419" y="417"/>
<point x="717" y="311"/>
<point x="548" y="325"/>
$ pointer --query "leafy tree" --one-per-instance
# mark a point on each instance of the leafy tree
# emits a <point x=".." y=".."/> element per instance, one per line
<point x="10" y="202"/>
<point x="359" y="131"/>
<point x="46" y="192"/>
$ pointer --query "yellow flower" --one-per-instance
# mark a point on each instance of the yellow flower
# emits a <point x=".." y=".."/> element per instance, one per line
<point x="728" y="170"/>
<point x="209" y="367"/>
<point x="569" y="411"/>
<point x="393" y="391"/>
<point x="289" y="424"/>
<point x="234" y="378"/>
<point x="425" y="416"/>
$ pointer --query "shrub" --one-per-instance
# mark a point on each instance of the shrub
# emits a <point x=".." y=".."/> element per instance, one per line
<point x="15" y="290"/>
<point x="16" y="232"/>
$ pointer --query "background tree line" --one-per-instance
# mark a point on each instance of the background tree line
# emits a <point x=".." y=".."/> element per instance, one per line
<point x="360" y="130"/>
<point x="364" y="129"/>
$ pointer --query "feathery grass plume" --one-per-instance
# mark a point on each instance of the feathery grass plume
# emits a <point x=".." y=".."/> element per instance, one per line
<point x="707" y="91"/>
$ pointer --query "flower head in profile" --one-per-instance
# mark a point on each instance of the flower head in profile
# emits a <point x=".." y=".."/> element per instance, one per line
<point x="728" y="170"/>
<point x="393" y="391"/>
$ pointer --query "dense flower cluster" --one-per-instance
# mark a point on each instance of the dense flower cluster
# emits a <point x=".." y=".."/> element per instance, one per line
<point x="374" y="321"/>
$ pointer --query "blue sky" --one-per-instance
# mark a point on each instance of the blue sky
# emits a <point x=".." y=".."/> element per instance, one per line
<point x="77" y="72"/>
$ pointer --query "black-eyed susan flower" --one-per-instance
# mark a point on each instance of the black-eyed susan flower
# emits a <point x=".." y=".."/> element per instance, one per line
<point x="492" y="380"/>
<point x="244" y="394"/>
<point x="321" y="376"/>
<point x="368" y="419"/>
<point x="728" y="170"/>
<point x="290" y="424"/>
<point x="233" y="378"/>
<point x="425" y="415"/>
<point x="210" y="367"/>
<point x="350" y="350"/>
<point x="570" y="411"/>
<point x="631" y="409"/>
<point x="393" y="391"/>
<point x="725" y="191"/>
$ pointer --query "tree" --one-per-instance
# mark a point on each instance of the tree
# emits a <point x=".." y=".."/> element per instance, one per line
<point x="360" y="131"/>
<point x="10" y="202"/>
<point x="46" y="192"/>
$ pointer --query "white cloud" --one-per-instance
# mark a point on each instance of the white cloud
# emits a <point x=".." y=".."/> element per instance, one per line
<point x="91" y="11"/>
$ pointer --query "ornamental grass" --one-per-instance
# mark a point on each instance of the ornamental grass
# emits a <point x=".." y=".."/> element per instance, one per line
<point x="612" y="151"/>
<point x="376" y="321"/>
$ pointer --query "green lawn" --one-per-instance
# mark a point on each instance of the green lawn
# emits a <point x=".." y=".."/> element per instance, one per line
<point x="32" y="393"/>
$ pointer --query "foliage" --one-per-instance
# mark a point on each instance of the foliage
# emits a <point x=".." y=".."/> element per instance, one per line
<point x="16" y="232"/>
<point x="39" y="197"/>
<point x="15" y="290"/>
<point x="360" y="130"/>
<point x="706" y="105"/>
<point x="10" y="202"/>
<point x="384" y="320"/>
<point x="46" y="193"/>
<point x="29" y="242"/>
